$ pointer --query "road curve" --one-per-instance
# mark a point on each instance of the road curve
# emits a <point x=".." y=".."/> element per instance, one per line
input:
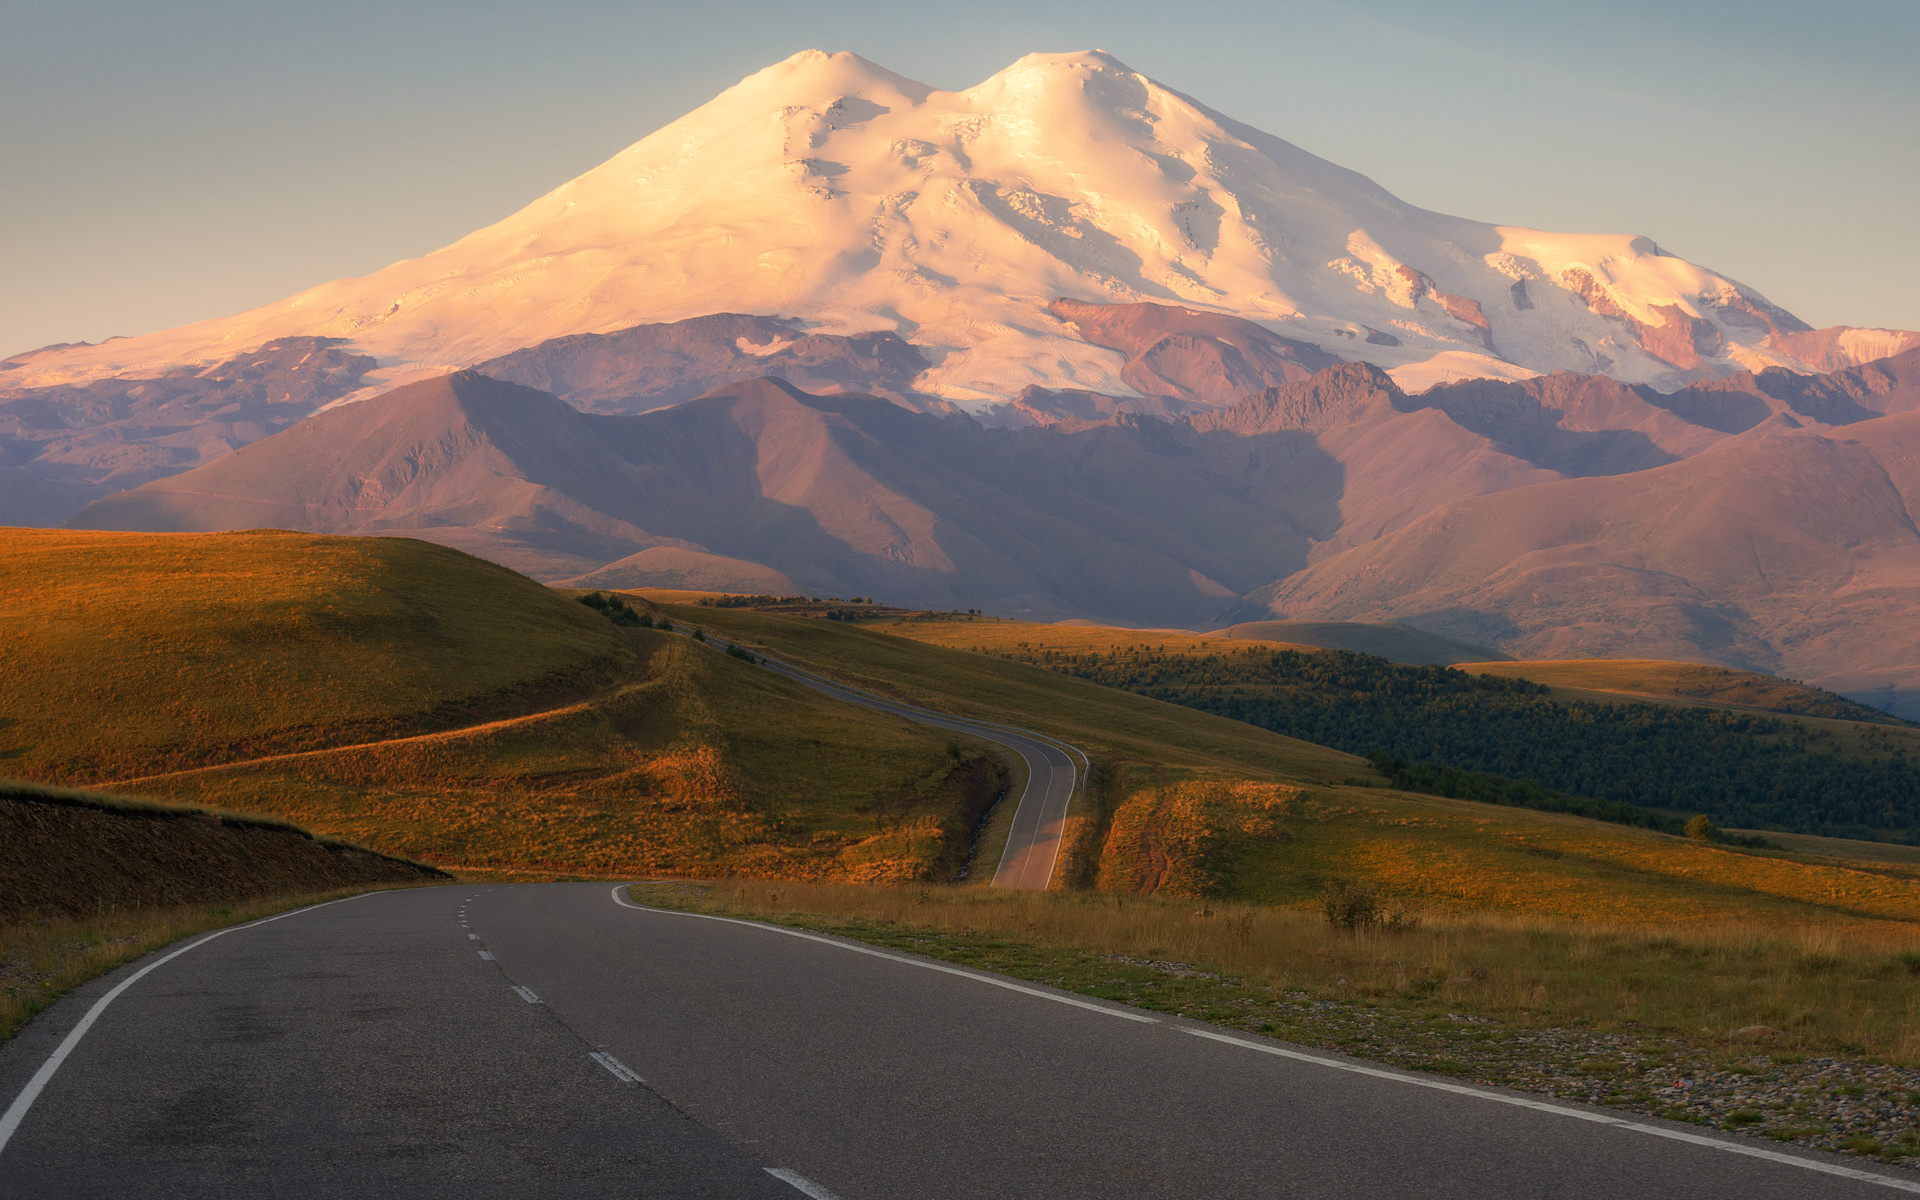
<point x="551" y="1040"/>
<point x="1039" y="819"/>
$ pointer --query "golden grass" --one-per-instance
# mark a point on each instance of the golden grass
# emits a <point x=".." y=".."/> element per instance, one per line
<point x="41" y="961"/>
<point x="123" y="654"/>
<point x="998" y="635"/>
<point x="700" y="766"/>
<point x="1829" y="986"/>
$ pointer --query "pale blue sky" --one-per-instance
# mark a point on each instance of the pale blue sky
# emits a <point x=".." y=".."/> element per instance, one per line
<point x="164" y="163"/>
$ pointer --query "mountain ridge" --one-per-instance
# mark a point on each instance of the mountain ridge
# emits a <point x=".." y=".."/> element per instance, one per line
<point x="828" y="190"/>
<point x="1556" y="517"/>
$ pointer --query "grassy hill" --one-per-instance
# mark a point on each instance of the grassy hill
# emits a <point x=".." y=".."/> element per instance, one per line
<point x="425" y="704"/>
<point x="698" y="765"/>
<point x="127" y="654"/>
<point x="429" y="704"/>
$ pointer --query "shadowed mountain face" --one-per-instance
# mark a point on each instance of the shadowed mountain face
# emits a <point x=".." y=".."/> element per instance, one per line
<point x="1794" y="553"/>
<point x="1756" y="521"/>
<point x="63" y="446"/>
<point x="842" y="494"/>
<point x="1201" y="359"/>
<point x="653" y="366"/>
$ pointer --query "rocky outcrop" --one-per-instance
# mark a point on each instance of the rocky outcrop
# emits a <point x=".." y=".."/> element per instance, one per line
<point x="1201" y="358"/>
<point x="1311" y="405"/>
<point x="1463" y="309"/>
<point x="1680" y="340"/>
<point x="1841" y="346"/>
<point x="653" y="366"/>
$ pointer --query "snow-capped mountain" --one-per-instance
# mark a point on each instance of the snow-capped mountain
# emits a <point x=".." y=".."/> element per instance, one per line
<point x="829" y="190"/>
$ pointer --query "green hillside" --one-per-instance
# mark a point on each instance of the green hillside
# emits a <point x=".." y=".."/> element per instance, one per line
<point x="127" y="654"/>
<point x="1738" y="765"/>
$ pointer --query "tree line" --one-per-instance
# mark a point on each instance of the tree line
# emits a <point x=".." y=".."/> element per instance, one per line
<point x="1740" y="769"/>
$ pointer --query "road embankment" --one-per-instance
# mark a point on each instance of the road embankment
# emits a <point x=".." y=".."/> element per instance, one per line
<point x="66" y="854"/>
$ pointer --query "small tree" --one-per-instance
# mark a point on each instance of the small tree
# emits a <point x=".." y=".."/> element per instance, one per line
<point x="1700" y="829"/>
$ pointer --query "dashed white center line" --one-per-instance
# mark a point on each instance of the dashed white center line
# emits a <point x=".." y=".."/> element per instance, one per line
<point x="473" y="937"/>
<point x="620" y="1070"/>
<point x="526" y="994"/>
<point x="487" y="956"/>
<point x="804" y="1186"/>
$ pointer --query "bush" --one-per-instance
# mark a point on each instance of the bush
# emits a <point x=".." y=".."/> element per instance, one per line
<point x="737" y="652"/>
<point x="1701" y="830"/>
<point x="1358" y="906"/>
<point x="614" y="609"/>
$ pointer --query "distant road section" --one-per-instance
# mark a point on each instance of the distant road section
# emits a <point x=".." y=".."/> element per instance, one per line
<point x="1053" y="772"/>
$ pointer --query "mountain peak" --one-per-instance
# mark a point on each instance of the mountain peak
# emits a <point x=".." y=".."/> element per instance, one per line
<point x="829" y="191"/>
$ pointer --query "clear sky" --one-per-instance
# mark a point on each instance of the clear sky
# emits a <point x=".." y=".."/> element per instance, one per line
<point x="161" y="163"/>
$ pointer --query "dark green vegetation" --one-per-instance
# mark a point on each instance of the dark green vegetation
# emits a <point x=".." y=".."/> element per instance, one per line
<point x="1434" y="779"/>
<point x="614" y="609"/>
<point x="1453" y="732"/>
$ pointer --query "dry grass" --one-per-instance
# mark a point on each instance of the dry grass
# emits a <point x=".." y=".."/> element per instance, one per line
<point x="126" y="654"/>
<point x="1845" y="987"/>
<point x="41" y="961"/>
<point x="701" y="766"/>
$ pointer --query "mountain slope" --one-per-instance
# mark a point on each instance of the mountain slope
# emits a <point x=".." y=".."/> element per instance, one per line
<point x="496" y="465"/>
<point x="832" y="191"/>
<point x="1130" y="518"/>
<point x="1791" y="553"/>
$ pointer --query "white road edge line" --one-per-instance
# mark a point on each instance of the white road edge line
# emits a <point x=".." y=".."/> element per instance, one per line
<point x="801" y="1184"/>
<point x="17" y="1111"/>
<point x="1563" y="1111"/>
<point x="620" y="1070"/>
<point x="526" y="994"/>
<point x="912" y="962"/>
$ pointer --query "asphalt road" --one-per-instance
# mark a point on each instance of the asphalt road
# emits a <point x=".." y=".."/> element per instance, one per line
<point x="368" y="1049"/>
<point x="1040" y="817"/>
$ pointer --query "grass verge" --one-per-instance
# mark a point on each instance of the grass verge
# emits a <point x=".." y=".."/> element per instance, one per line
<point x="1807" y="1035"/>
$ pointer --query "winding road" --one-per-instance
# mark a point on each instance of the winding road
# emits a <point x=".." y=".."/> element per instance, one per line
<point x="556" y="1040"/>
<point x="1039" y="819"/>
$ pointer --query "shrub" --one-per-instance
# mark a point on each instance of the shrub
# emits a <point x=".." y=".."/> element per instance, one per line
<point x="737" y="652"/>
<point x="613" y="608"/>
<point x="1358" y="906"/>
